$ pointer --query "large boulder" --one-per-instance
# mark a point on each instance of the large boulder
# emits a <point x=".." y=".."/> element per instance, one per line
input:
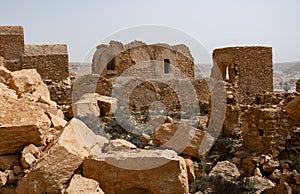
<point x="293" y="109"/>
<point x="60" y="160"/>
<point x="29" y="85"/>
<point x="82" y="185"/>
<point x="153" y="171"/>
<point x="185" y="139"/>
<point x="21" y="123"/>
<point x="227" y="170"/>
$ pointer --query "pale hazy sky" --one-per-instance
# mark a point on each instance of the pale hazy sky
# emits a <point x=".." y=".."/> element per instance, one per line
<point x="214" y="23"/>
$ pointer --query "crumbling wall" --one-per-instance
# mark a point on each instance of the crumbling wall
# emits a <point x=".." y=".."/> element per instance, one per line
<point x="51" y="61"/>
<point x="113" y="59"/>
<point x="248" y="69"/>
<point x="11" y="42"/>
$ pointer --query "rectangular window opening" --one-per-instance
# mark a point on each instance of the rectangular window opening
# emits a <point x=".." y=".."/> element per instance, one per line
<point x="166" y="65"/>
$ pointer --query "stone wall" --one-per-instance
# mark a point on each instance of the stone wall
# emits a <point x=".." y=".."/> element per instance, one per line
<point x="11" y="42"/>
<point x="248" y="69"/>
<point x="113" y="59"/>
<point x="51" y="61"/>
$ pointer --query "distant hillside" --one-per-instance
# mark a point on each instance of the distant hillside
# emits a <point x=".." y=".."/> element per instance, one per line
<point x="287" y="67"/>
<point x="80" y="68"/>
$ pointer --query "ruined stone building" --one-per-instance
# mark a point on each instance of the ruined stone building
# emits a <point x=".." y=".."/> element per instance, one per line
<point x="248" y="69"/>
<point x="158" y="67"/>
<point x="161" y="60"/>
<point x="51" y="61"/>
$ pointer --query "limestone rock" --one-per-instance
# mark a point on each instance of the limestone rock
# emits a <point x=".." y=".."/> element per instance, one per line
<point x="190" y="170"/>
<point x="25" y="81"/>
<point x="261" y="183"/>
<point x="58" y="163"/>
<point x="10" y="176"/>
<point x="293" y="109"/>
<point x="5" y="91"/>
<point x="227" y="170"/>
<point x="5" y="73"/>
<point x="3" y="178"/>
<point x="21" y="123"/>
<point x="1" y="61"/>
<point x="29" y="155"/>
<point x="118" y="145"/>
<point x="83" y="185"/>
<point x="8" y="161"/>
<point x="296" y="177"/>
<point x="57" y="122"/>
<point x="271" y="165"/>
<point x="282" y="188"/>
<point x="182" y="138"/>
<point x="151" y="171"/>
<point x="107" y="105"/>
<point x="94" y="142"/>
<point x="276" y="175"/>
<point x="85" y="106"/>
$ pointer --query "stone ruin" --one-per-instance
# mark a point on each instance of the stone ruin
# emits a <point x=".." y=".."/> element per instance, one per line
<point x="40" y="152"/>
<point x="166" y="60"/>
<point x="248" y="69"/>
<point x="51" y="61"/>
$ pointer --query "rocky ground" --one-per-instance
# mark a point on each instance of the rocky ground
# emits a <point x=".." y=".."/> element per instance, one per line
<point x="46" y="148"/>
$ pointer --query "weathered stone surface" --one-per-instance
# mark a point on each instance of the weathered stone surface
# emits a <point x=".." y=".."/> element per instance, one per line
<point x="21" y="123"/>
<point x="190" y="170"/>
<point x="282" y="188"/>
<point x="87" y="105"/>
<point x="83" y="185"/>
<point x="25" y="80"/>
<point x="249" y="164"/>
<point x="181" y="138"/>
<point x="58" y="163"/>
<point x="293" y="109"/>
<point x="153" y="171"/>
<point x="5" y="73"/>
<point x="116" y="58"/>
<point x="29" y="85"/>
<point x="1" y="61"/>
<point x="276" y="175"/>
<point x="227" y="170"/>
<point x="107" y="105"/>
<point x="271" y="165"/>
<point x="118" y="145"/>
<point x="5" y="91"/>
<point x="29" y="155"/>
<point x="3" y="178"/>
<point x="92" y="141"/>
<point x="261" y="183"/>
<point x="8" y="161"/>
<point x="267" y="135"/>
<point x="57" y="122"/>
<point x="296" y="177"/>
